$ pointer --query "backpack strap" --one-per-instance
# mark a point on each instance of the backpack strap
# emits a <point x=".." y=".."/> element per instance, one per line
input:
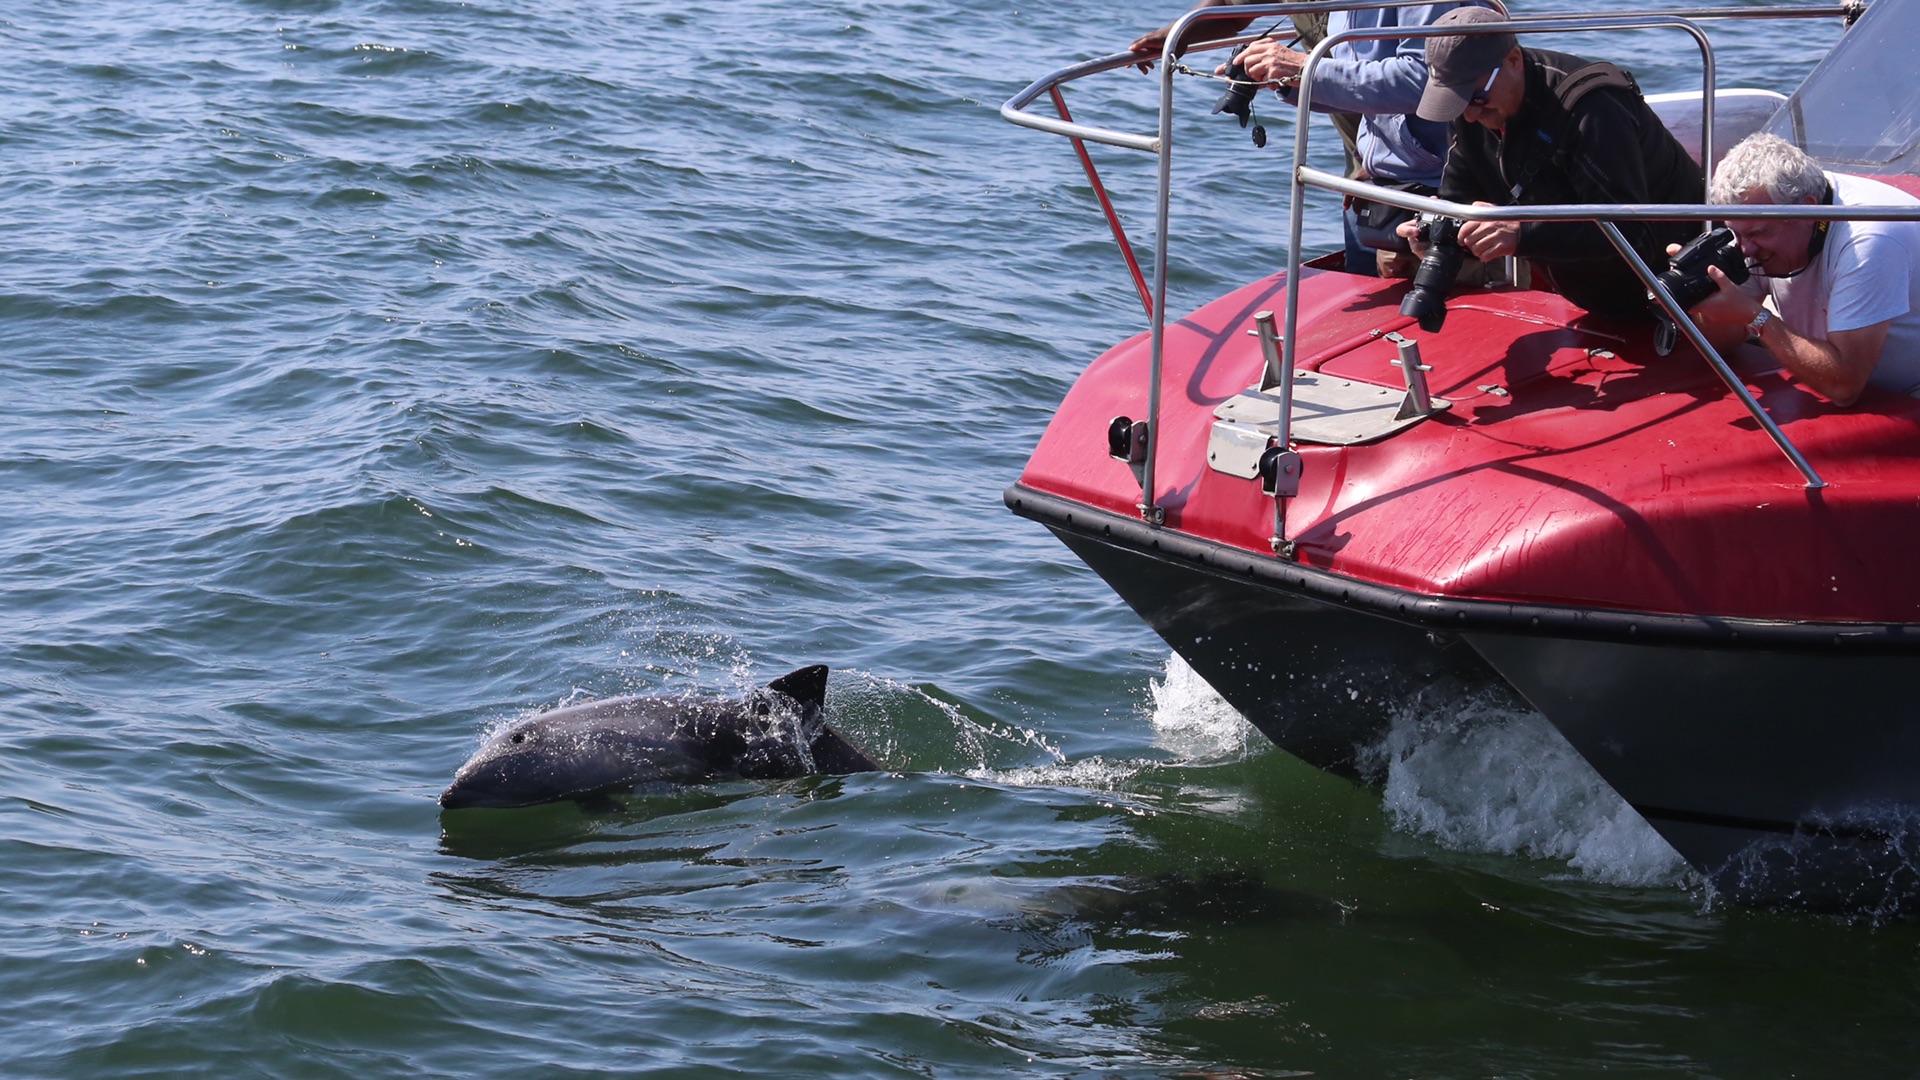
<point x="1597" y="76"/>
<point x="1577" y="85"/>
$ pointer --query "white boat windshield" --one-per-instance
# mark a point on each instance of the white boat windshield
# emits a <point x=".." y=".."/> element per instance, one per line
<point x="1859" y="110"/>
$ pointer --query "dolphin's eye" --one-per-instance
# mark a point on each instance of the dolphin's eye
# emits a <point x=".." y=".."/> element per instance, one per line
<point x="519" y="736"/>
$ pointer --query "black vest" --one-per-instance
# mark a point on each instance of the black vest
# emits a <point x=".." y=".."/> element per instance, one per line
<point x="1568" y="144"/>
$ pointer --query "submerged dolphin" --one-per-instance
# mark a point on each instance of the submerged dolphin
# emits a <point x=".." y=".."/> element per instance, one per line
<point x="603" y="747"/>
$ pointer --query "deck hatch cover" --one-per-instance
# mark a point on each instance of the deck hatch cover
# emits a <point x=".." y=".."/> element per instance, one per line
<point x="1326" y="409"/>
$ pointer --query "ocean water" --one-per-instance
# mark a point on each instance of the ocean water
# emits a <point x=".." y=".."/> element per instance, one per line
<point x="378" y="372"/>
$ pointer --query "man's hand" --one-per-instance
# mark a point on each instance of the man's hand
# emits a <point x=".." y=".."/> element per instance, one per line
<point x="1723" y="316"/>
<point x="1727" y="305"/>
<point x="1490" y="240"/>
<point x="1269" y="61"/>
<point x="1409" y="230"/>
<point x="1484" y="240"/>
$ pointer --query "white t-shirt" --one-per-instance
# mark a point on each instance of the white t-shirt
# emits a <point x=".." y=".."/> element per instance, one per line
<point x="1868" y="272"/>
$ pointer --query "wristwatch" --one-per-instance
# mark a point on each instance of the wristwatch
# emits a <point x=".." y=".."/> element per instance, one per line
<point x="1759" y="323"/>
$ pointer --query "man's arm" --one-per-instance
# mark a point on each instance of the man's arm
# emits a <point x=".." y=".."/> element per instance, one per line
<point x="1151" y="44"/>
<point x="1343" y="83"/>
<point x="1837" y="367"/>
<point x="1391" y="83"/>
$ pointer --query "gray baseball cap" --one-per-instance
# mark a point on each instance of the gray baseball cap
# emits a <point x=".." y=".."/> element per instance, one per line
<point x="1458" y="65"/>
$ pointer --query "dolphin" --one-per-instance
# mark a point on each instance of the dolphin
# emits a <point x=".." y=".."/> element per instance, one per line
<point x="585" y="752"/>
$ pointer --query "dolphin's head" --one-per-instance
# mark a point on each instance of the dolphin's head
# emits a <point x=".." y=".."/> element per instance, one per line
<point x="517" y="767"/>
<point x="569" y="754"/>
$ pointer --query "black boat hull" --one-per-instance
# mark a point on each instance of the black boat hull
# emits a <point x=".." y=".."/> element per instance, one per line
<point x="1322" y="682"/>
<point x="1737" y="741"/>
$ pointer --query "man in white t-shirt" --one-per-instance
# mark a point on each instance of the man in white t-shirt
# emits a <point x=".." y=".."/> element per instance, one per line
<point x="1842" y="299"/>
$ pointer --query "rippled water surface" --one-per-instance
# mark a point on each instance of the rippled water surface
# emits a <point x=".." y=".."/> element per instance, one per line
<point x="379" y="372"/>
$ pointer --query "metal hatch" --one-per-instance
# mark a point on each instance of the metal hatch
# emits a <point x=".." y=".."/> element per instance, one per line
<point x="1326" y="409"/>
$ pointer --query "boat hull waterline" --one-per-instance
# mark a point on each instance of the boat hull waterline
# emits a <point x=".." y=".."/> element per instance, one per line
<point x="1721" y="735"/>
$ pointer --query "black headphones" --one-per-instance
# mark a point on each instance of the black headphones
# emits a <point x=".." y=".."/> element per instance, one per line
<point x="1820" y="228"/>
<point x="1818" y="241"/>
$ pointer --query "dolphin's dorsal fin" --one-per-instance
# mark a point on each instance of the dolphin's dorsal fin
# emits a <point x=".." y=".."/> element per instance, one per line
<point x="808" y="686"/>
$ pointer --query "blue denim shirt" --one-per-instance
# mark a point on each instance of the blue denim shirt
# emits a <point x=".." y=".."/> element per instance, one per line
<point x="1382" y="81"/>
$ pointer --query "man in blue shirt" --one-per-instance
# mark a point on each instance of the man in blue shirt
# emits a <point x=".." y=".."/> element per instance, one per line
<point x="1380" y="80"/>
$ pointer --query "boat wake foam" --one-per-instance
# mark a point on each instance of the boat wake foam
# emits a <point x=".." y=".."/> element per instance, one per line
<point x="1193" y="723"/>
<point x="1466" y="771"/>
<point x="1475" y="774"/>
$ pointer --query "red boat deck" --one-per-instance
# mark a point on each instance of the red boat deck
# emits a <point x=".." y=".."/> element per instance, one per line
<point x="1575" y="467"/>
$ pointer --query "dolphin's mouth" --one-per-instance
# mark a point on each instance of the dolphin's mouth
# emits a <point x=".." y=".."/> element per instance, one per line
<point x="462" y="798"/>
<point x="466" y="797"/>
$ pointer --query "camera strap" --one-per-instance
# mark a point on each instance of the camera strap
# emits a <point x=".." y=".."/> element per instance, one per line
<point x="1818" y="242"/>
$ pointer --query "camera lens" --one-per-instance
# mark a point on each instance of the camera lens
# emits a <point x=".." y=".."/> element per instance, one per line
<point x="1426" y="301"/>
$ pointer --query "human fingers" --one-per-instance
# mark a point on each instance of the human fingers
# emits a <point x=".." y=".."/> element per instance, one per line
<point x="1474" y="237"/>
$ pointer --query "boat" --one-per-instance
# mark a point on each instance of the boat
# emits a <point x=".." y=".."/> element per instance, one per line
<point x="1699" y="571"/>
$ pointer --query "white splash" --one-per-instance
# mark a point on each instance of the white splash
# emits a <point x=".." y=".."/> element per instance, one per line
<point x="1471" y="774"/>
<point x="1087" y="774"/>
<point x="1193" y="722"/>
<point x="1190" y="721"/>
<point x="1478" y="776"/>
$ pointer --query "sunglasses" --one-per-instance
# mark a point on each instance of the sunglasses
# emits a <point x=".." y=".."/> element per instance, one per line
<point x="1479" y="100"/>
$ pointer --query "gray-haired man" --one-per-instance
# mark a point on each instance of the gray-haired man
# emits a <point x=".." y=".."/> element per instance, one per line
<point x="1846" y="294"/>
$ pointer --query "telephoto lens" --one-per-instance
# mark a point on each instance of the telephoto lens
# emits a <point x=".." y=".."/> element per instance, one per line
<point x="1427" y="300"/>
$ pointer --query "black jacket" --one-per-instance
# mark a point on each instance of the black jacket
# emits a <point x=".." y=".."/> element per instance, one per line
<point x="1608" y="147"/>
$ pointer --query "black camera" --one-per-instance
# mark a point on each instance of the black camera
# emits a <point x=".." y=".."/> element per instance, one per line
<point x="1686" y="278"/>
<point x="1238" y="100"/>
<point x="1686" y="275"/>
<point x="1427" y="300"/>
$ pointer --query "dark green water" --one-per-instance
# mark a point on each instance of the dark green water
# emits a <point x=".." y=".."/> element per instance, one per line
<point x="376" y="373"/>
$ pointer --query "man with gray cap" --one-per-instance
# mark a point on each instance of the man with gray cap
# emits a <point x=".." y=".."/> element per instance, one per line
<point x="1533" y="127"/>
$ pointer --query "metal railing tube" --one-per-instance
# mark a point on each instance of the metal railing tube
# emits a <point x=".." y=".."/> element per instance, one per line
<point x="1543" y="24"/>
<point x="1720" y="366"/>
<point x="1014" y="109"/>
<point x="1149" y="507"/>
<point x="1607" y="211"/>
<point x="1296" y="211"/>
